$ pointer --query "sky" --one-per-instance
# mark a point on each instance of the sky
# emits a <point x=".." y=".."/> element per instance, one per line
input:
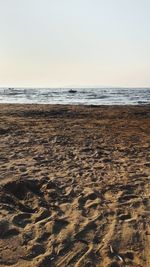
<point x="75" y="43"/>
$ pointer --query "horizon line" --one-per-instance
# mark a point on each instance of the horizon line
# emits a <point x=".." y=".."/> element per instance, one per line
<point x="76" y="87"/>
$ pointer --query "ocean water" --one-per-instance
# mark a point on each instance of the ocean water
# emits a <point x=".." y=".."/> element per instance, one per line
<point x="90" y="96"/>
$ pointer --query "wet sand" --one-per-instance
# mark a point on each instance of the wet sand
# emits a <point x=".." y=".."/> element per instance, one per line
<point x="74" y="186"/>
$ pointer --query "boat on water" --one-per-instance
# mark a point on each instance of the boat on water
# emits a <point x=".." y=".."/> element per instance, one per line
<point x="72" y="91"/>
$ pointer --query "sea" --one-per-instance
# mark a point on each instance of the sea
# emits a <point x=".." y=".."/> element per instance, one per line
<point x="76" y="96"/>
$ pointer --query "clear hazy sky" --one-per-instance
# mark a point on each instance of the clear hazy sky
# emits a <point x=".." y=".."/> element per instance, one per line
<point x="56" y="43"/>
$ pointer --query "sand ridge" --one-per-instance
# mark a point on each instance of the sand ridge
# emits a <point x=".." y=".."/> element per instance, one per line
<point x="74" y="186"/>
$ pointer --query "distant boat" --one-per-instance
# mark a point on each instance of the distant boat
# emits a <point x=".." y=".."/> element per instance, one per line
<point x="72" y="91"/>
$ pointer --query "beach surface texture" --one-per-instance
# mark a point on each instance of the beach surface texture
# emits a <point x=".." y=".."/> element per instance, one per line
<point x="74" y="186"/>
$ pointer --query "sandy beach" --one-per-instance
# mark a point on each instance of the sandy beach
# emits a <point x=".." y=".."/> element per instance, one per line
<point x="74" y="186"/>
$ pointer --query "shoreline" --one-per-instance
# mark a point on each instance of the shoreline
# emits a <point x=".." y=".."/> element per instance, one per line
<point x="78" y="107"/>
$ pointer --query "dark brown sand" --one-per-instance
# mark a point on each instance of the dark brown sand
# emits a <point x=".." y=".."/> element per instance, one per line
<point x="74" y="185"/>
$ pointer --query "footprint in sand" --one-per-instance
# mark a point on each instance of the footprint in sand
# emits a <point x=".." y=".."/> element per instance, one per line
<point x="22" y="219"/>
<point x="34" y="251"/>
<point x="6" y="229"/>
